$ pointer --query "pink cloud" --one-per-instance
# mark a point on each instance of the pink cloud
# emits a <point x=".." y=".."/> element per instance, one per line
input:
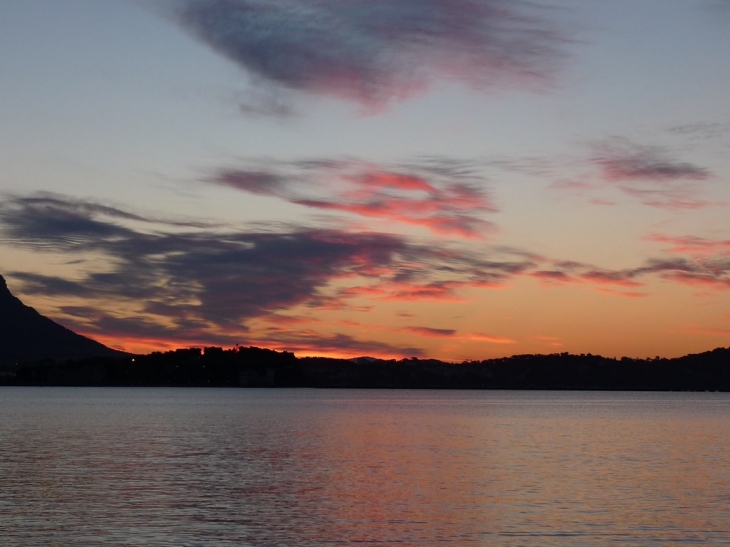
<point x="424" y="213"/>
<point x="444" y="198"/>
<point x="700" y="279"/>
<point x="348" y="323"/>
<point x="626" y="294"/>
<point x="398" y="181"/>
<point x="691" y="244"/>
<point x="479" y="337"/>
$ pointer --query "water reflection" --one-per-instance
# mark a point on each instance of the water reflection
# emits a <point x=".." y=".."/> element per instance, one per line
<point x="308" y="467"/>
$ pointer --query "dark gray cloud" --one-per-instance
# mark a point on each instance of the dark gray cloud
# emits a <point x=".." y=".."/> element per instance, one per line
<point x="193" y="284"/>
<point x="232" y="276"/>
<point x="432" y="332"/>
<point x="50" y="221"/>
<point x="373" y="51"/>
<point x="255" y="182"/>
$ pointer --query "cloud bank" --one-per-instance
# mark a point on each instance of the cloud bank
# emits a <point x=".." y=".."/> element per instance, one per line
<point x="197" y="283"/>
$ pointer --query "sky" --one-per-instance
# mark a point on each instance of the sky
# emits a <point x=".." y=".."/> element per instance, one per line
<point x="456" y="179"/>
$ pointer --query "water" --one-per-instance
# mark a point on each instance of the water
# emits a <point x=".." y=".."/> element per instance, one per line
<point x="219" y="467"/>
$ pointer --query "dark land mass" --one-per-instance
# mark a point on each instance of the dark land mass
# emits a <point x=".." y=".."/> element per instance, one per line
<point x="256" y="367"/>
<point x="27" y="336"/>
<point x="34" y="350"/>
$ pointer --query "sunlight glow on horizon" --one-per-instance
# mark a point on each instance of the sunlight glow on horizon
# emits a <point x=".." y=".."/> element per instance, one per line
<point x="359" y="179"/>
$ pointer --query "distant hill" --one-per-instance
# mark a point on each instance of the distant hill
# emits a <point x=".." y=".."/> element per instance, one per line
<point x="27" y="336"/>
<point x="258" y="367"/>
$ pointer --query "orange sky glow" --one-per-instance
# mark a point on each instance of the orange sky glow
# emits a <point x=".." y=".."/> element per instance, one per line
<point x="391" y="179"/>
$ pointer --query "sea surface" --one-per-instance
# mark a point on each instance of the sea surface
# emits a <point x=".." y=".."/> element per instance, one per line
<point x="306" y="467"/>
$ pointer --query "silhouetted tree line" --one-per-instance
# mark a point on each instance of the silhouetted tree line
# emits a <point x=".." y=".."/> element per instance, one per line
<point x="257" y="367"/>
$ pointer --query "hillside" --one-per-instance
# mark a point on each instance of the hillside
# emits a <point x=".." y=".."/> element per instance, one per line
<point x="28" y="336"/>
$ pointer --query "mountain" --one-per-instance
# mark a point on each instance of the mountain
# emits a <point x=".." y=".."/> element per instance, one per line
<point x="27" y="336"/>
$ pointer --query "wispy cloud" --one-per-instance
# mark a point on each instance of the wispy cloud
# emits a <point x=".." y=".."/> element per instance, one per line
<point x="480" y="337"/>
<point x="627" y="294"/>
<point x="711" y="272"/>
<point x="702" y="130"/>
<point x="451" y="334"/>
<point x="711" y="276"/>
<point x="373" y="52"/>
<point x="706" y="262"/>
<point x="696" y="329"/>
<point x="651" y="175"/>
<point x="586" y="274"/>
<point x="444" y="196"/>
<point x="693" y="245"/>
<point x="627" y="162"/>
<point x="431" y="332"/>
<point x="603" y="277"/>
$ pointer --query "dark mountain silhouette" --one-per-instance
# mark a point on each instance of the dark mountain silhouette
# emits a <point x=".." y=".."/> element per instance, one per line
<point x="27" y="336"/>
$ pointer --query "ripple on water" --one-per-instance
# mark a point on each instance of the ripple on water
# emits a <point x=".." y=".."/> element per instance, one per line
<point x="198" y="467"/>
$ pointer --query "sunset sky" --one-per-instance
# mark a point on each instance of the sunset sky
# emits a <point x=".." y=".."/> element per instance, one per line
<point x="458" y="179"/>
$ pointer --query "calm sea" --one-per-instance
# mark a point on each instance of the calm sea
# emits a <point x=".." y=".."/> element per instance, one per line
<point x="266" y="467"/>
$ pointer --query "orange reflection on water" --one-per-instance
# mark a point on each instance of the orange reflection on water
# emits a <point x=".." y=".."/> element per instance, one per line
<point x="422" y="472"/>
<point x="329" y="467"/>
